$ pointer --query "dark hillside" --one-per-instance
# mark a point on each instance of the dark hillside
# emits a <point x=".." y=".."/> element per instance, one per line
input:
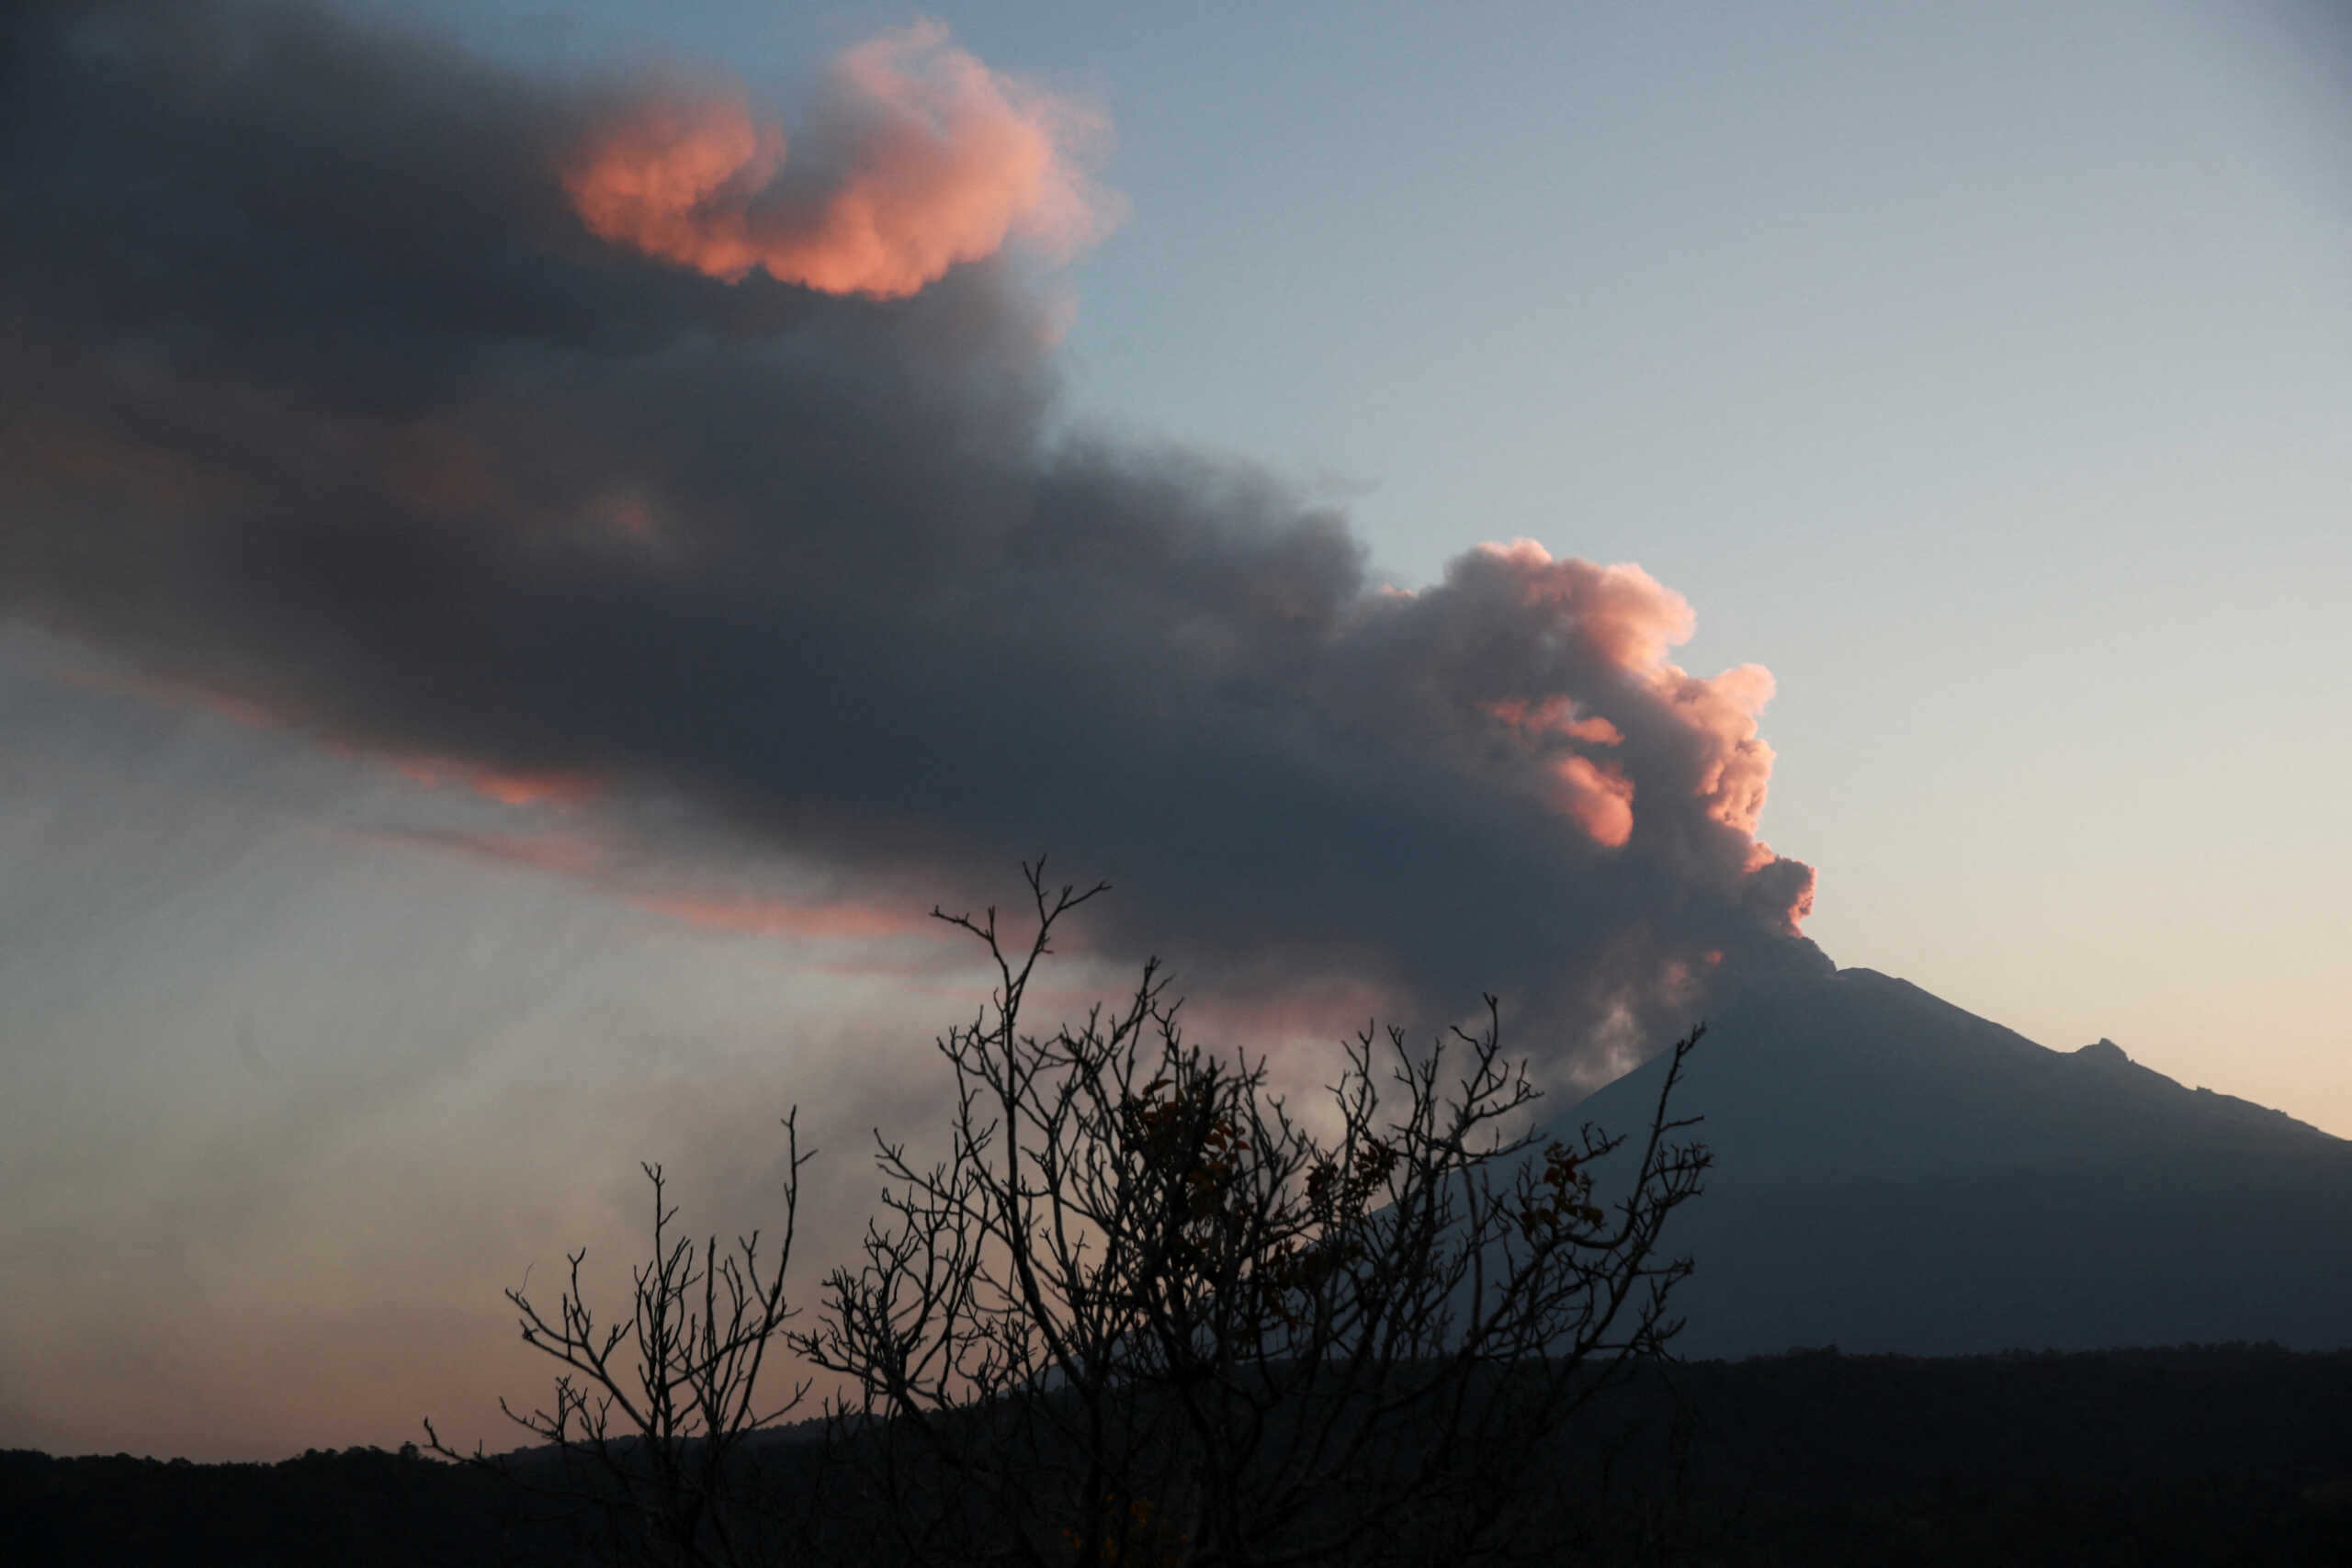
<point x="2235" y="1454"/>
<point x="2222" y="1455"/>
<point x="359" y="1508"/>
<point x="1892" y="1173"/>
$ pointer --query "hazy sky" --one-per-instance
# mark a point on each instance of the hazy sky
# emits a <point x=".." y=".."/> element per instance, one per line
<point x="1982" y="372"/>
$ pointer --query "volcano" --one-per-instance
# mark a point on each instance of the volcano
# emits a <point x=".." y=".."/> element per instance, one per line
<point x="1894" y="1173"/>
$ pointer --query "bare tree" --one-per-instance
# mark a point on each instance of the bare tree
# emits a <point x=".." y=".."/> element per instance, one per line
<point x="1139" y="1314"/>
<point x="652" y="1412"/>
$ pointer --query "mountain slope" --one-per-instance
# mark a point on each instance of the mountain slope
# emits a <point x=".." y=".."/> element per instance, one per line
<point x="1894" y="1173"/>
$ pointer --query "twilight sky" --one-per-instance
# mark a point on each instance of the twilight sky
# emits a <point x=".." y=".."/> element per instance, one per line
<point x="533" y="547"/>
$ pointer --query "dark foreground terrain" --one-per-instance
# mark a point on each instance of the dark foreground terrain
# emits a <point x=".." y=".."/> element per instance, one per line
<point x="2238" y="1454"/>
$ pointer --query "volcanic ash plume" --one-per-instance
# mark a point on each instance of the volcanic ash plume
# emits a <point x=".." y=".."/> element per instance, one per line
<point x="924" y="158"/>
<point x="459" y="415"/>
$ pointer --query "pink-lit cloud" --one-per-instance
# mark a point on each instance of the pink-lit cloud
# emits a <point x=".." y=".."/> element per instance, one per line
<point x="1570" y="662"/>
<point x="605" y="864"/>
<point x="508" y="786"/>
<point x="172" y="692"/>
<point x="1554" y="715"/>
<point x="924" y="158"/>
<point x="1599" y="798"/>
<point x="1629" y="622"/>
<point x="750" y="915"/>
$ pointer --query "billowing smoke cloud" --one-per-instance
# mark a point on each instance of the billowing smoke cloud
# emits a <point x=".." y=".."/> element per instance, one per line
<point x="925" y="160"/>
<point x="443" y="411"/>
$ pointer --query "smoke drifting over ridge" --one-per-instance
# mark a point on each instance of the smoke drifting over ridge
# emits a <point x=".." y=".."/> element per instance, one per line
<point x="457" y="413"/>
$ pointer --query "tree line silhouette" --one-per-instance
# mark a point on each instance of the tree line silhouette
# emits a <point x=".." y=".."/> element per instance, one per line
<point x="1141" y="1311"/>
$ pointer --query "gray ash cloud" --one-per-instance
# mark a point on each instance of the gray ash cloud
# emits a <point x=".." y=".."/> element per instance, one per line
<point x="320" y="395"/>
